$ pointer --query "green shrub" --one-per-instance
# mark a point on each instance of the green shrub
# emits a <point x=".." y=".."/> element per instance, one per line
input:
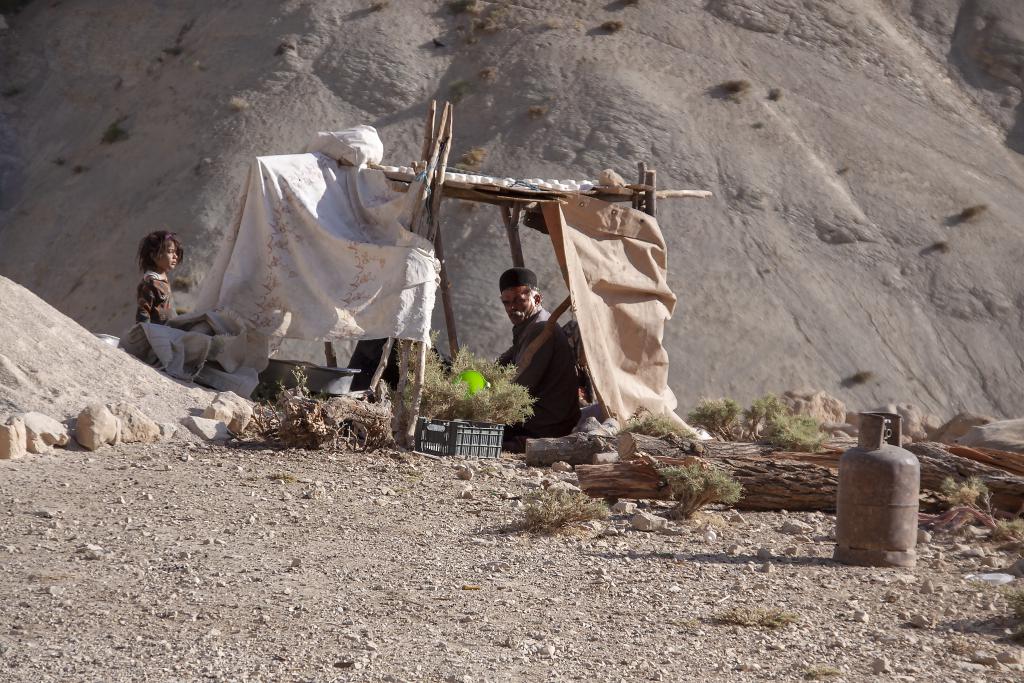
<point x="503" y="402"/>
<point x="114" y="132"/>
<point x="660" y="426"/>
<point x="694" y="486"/>
<point x="551" y="510"/>
<point x="720" y="417"/>
<point x="795" y="433"/>
<point x="763" y="412"/>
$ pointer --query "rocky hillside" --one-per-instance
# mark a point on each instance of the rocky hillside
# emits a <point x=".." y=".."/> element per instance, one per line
<point x="837" y="251"/>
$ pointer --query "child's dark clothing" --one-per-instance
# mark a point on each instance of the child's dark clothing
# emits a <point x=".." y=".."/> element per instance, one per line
<point x="154" y="299"/>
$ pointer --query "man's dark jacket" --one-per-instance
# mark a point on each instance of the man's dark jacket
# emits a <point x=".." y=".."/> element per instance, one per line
<point x="550" y="377"/>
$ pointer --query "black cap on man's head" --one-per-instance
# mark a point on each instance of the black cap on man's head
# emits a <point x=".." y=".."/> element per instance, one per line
<point x="517" y="277"/>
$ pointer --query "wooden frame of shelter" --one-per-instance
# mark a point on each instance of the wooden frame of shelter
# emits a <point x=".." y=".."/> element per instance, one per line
<point x="428" y="183"/>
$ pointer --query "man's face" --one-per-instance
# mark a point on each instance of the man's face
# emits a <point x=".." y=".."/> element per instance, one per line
<point x="520" y="303"/>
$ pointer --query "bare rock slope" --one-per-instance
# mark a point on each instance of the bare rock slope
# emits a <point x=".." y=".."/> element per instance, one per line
<point x="836" y="244"/>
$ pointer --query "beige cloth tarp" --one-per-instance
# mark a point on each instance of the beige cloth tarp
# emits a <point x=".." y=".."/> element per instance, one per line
<point x="613" y="259"/>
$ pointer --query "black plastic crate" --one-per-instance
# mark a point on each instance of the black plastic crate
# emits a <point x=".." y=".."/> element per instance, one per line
<point x="459" y="438"/>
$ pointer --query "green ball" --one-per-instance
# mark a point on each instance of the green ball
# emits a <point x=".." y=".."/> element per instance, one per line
<point x="473" y="380"/>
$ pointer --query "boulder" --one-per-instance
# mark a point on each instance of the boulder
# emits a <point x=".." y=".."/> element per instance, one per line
<point x="210" y="430"/>
<point x="645" y="521"/>
<point x="12" y="439"/>
<point x="135" y="426"/>
<point x="96" y="427"/>
<point x="915" y="423"/>
<point x="957" y="426"/>
<point x="818" y="404"/>
<point x="1004" y="435"/>
<point x="231" y="409"/>
<point x="42" y="432"/>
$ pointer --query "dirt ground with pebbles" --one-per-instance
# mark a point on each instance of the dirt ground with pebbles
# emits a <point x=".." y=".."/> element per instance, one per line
<point x="184" y="562"/>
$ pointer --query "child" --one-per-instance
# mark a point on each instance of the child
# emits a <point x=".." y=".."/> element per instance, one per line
<point x="159" y="253"/>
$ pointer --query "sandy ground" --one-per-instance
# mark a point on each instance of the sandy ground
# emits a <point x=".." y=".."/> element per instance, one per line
<point x="182" y="562"/>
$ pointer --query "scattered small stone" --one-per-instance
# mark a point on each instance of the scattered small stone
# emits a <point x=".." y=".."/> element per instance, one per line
<point x="464" y="472"/>
<point x="1010" y="657"/>
<point x="763" y="554"/>
<point x="923" y="537"/>
<point x="466" y="492"/>
<point x="733" y="549"/>
<point x="90" y="551"/>
<point x="766" y="568"/>
<point x="861" y="617"/>
<point x="922" y="621"/>
<point x="983" y="657"/>
<point x="295" y="563"/>
<point x="928" y="587"/>
<point x="795" y="526"/>
<point x="561" y="466"/>
<point x="734" y="517"/>
<point x="881" y="666"/>
<point x="548" y="650"/>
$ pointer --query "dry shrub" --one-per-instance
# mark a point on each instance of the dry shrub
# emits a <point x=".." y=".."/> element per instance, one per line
<point x="762" y="413"/>
<point x="379" y="5"/>
<point x="444" y="398"/>
<point x="458" y="90"/>
<point x="473" y="158"/>
<point x="754" y="616"/>
<point x="496" y="20"/>
<point x="464" y="6"/>
<point x="660" y="426"/>
<point x="970" y="213"/>
<point x="694" y="486"/>
<point x="238" y="104"/>
<point x="298" y="420"/>
<point x="734" y="90"/>
<point x="1009" y="530"/>
<point x="114" y="132"/>
<point x="857" y="378"/>
<point x="720" y="417"/>
<point x="537" y="111"/>
<point x="966" y="492"/>
<point x="612" y="26"/>
<point x="775" y="94"/>
<point x="942" y="247"/>
<point x="488" y="74"/>
<point x="551" y="510"/>
<point x="552" y="24"/>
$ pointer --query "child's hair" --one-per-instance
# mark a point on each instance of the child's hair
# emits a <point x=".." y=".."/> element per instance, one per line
<point x="150" y="246"/>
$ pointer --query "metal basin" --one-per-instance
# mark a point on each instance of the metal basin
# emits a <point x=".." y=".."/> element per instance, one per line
<point x="320" y="379"/>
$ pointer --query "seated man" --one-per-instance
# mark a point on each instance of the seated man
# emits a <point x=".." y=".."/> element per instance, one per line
<point x="550" y="374"/>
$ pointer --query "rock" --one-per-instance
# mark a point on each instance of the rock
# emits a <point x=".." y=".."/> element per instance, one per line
<point x="548" y="650"/>
<point x="1010" y="657"/>
<point x="608" y="177"/>
<point x="96" y="427"/>
<point x="795" y="526"/>
<point x="766" y="568"/>
<point x="90" y="551"/>
<point x="42" y="432"/>
<point x="623" y="507"/>
<point x="210" y="430"/>
<point x="881" y="666"/>
<point x="563" y="486"/>
<point x="464" y="472"/>
<point x="12" y="439"/>
<point x="168" y="430"/>
<point x="645" y="521"/>
<point x="135" y="426"/>
<point x="922" y="621"/>
<point x="913" y="424"/>
<point x="561" y="466"/>
<point x="983" y="657"/>
<point x="231" y="409"/>
<point x="818" y="404"/>
<point x="923" y="537"/>
<point x="860" y="617"/>
<point x="1017" y="568"/>
<point x="763" y="554"/>
<point x="957" y="426"/>
<point x="709" y="535"/>
<point x="1004" y="435"/>
<point x="928" y="587"/>
<point x="466" y="492"/>
<point x="734" y="517"/>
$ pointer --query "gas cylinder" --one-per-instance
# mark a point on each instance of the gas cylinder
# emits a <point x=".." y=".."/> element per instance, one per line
<point x="877" y="502"/>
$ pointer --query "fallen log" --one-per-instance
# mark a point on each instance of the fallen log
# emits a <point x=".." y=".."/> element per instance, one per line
<point x="769" y="483"/>
<point x="779" y="480"/>
<point x="575" y="449"/>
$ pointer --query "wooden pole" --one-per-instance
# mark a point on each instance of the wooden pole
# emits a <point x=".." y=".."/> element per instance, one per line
<point x="650" y="196"/>
<point x="419" y="349"/>
<point x="446" y="297"/>
<point x="428" y="134"/>
<point x="511" y="218"/>
<point x="398" y="403"/>
<point x="332" y="358"/>
<point x="641" y="169"/>
<point x="382" y="364"/>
